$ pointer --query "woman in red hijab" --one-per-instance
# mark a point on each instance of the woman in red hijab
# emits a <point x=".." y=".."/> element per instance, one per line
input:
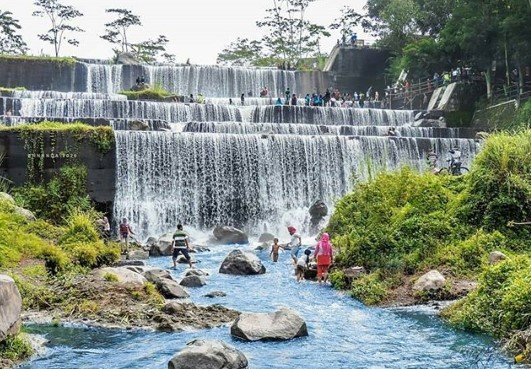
<point x="324" y="256"/>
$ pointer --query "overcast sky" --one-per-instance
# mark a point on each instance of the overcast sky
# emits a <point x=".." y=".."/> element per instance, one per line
<point x="198" y="30"/>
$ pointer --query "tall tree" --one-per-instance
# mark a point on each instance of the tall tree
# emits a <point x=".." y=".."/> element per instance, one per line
<point x="60" y="16"/>
<point x="242" y="52"/>
<point x="116" y="31"/>
<point x="10" y="41"/>
<point x="151" y="50"/>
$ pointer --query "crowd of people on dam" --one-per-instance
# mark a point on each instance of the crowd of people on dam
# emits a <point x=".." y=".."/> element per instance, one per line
<point x="317" y="258"/>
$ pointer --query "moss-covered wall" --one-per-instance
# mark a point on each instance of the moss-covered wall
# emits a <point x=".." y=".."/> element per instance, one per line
<point x="38" y="155"/>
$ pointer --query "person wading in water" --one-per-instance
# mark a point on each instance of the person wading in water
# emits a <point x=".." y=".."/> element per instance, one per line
<point x="324" y="257"/>
<point x="181" y="245"/>
<point x="294" y="243"/>
<point x="125" y="232"/>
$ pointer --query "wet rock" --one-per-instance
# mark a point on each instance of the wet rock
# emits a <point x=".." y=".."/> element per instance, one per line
<point x="318" y="210"/>
<point x="138" y="125"/>
<point x="193" y="281"/>
<point x="151" y="241"/>
<point x="163" y="246"/>
<point x="198" y="272"/>
<point x="121" y="274"/>
<point x="431" y="123"/>
<point x="24" y="213"/>
<point x="203" y="354"/>
<point x="10" y="307"/>
<point x="131" y="262"/>
<point x="170" y="289"/>
<point x="496" y="256"/>
<point x="137" y="255"/>
<point x="137" y="269"/>
<point x="239" y="262"/>
<point x="284" y="324"/>
<point x="430" y="282"/>
<point x="266" y="237"/>
<point x="182" y="260"/>
<point x="155" y="275"/>
<point x="230" y="235"/>
<point x="214" y="294"/>
<point x="461" y="288"/>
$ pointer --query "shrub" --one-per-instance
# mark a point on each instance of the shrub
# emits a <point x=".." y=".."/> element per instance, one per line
<point x="501" y="302"/>
<point x="109" y="277"/>
<point x="156" y="93"/>
<point x="55" y="259"/>
<point x="368" y="289"/>
<point x="338" y="280"/>
<point x="15" y="348"/>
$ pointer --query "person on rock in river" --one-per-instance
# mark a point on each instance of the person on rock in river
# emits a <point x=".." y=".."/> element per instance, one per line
<point x="293" y="99"/>
<point x="274" y="249"/>
<point x="125" y="232"/>
<point x="294" y="243"/>
<point x="302" y="265"/>
<point x="307" y="100"/>
<point x="180" y="245"/>
<point x="242" y="98"/>
<point x="191" y="98"/>
<point x="324" y="256"/>
<point x="279" y="102"/>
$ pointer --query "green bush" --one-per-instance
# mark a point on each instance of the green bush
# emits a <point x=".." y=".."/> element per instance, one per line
<point x="55" y="200"/>
<point x="55" y="260"/>
<point x="155" y="93"/>
<point x="501" y="304"/>
<point x="369" y="289"/>
<point x="15" y="348"/>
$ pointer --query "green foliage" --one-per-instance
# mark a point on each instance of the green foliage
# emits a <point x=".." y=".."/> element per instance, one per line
<point x="155" y="93"/>
<point x="15" y="348"/>
<point x="499" y="186"/>
<point x="337" y="279"/>
<point x="369" y="289"/>
<point x="6" y="91"/>
<point x="421" y="58"/>
<point x="63" y="61"/>
<point x="501" y="303"/>
<point x="55" y="200"/>
<point x="109" y="277"/>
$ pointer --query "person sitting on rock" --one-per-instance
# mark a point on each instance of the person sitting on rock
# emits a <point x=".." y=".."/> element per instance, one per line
<point x="302" y="265"/>
<point x="274" y="250"/>
<point x="125" y="232"/>
<point x="180" y="245"/>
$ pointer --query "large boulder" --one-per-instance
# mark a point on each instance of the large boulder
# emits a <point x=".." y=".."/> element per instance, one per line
<point x="266" y="237"/>
<point x="430" y="282"/>
<point x="214" y="294"/>
<point x="203" y="354"/>
<point x="318" y="210"/>
<point x="230" y="235"/>
<point x="7" y="197"/>
<point x="24" y="213"/>
<point x="127" y="59"/>
<point x="239" y="262"/>
<point x="120" y="275"/>
<point x="198" y="272"/>
<point x="155" y="275"/>
<point x="496" y="256"/>
<point x="10" y="307"/>
<point x="162" y="247"/>
<point x="193" y="281"/>
<point x="138" y="125"/>
<point x="171" y="289"/>
<point x="284" y="324"/>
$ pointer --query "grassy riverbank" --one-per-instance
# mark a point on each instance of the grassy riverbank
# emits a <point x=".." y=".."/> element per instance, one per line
<point x="401" y="225"/>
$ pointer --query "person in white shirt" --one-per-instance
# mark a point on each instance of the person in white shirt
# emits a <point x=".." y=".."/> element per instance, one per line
<point x="294" y="243"/>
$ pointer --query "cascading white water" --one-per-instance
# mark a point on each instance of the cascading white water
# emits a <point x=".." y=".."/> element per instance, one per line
<point x="151" y="110"/>
<point x="246" y="180"/>
<point x="59" y="95"/>
<point x="103" y="78"/>
<point x="313" y="129"/>
<point x="220" y="81"/>
<point x="329" y="115"/>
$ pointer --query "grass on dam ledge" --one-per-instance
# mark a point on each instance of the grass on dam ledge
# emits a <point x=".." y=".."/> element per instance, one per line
<point x="66" y="61"/>
<point x="401" y="225"/>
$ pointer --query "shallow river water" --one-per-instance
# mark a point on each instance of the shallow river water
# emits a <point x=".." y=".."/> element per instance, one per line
<point x="344" y="334"/>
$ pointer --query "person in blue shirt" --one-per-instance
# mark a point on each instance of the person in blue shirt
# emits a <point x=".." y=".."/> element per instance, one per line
<point x="307" y="99"/>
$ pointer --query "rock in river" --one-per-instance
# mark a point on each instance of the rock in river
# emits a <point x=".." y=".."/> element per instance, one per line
<point x="230" y="235"/>
<point x="193" y="281"/>
<point x="10" y="307"/>
<point x="203" y="354"/>
<point x="122" y="275"/>
<point x="283" y="324"/>
<point x="239" y="262"/>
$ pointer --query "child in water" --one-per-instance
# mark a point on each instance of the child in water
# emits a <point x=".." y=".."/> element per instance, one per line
<point x="274" y="249"/>
<point x="302" y="265"/>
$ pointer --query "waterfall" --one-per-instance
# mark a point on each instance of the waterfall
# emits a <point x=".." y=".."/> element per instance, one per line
<point x="103" y="78"/>
<point x="119" y="109"/>
<point x="333" y="116"/>
<point x="313" y="129"/>
<point x="220" y="81"/>
<point x="245" y="180"/>
<point x="25" y="94"/>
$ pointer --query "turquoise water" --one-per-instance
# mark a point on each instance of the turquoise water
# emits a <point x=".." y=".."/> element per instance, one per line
<point x="344" y="334"/>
